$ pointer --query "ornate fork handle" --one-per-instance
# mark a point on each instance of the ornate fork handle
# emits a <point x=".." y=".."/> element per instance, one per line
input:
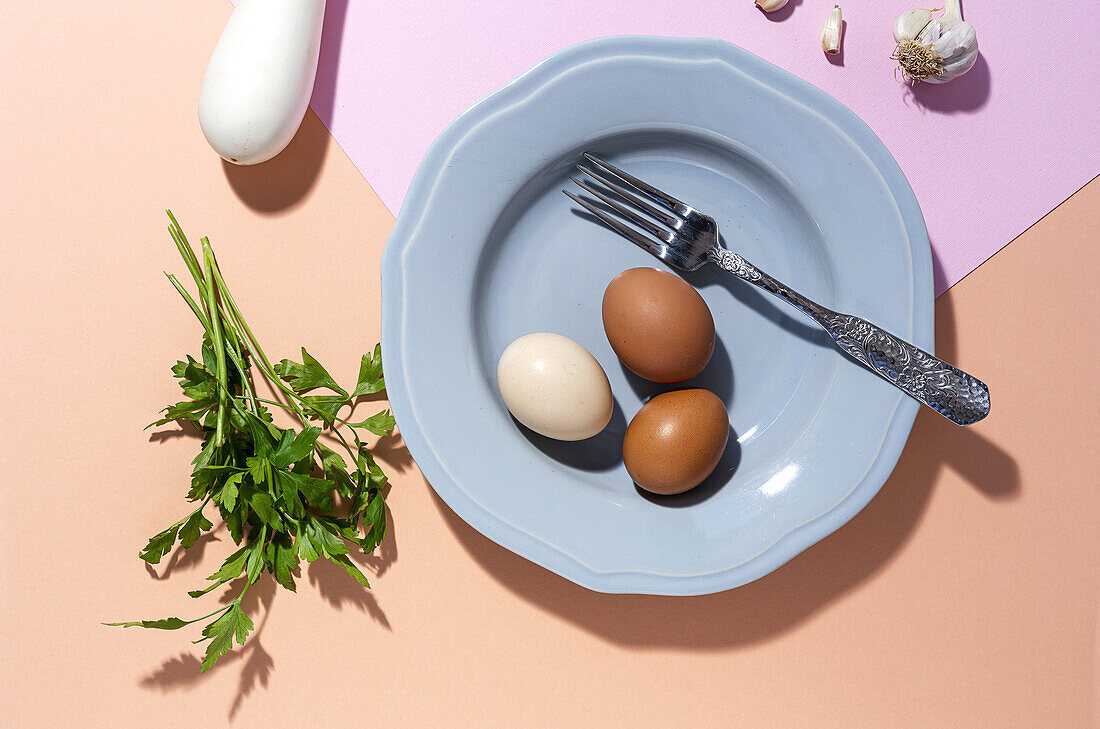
<point x="949" y="391"/>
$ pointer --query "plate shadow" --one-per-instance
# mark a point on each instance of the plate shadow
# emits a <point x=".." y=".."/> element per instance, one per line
<point x="781" y="601"/>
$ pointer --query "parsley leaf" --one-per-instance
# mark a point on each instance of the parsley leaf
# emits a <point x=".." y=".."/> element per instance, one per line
<point x="370" y="374"/>
<point x="375" y="515"/>
<point x="349" y="566"/>
<point x="307" y="375"/>
<point x="233" y="623"/>
<point x="160" y="544"/>
<point x="294" y="447"/>
<point x="264" y="507"/>
<point x="164" y="624"/>
<point x="230" y="490"/>
<point x="331" y="459"/>
<point x="379" y="423"/>
<point x="324" y="407"/>
<point x="285" y="560"/>
<point x="195" y="525"/>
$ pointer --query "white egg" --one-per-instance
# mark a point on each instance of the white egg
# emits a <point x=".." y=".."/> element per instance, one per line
<point x="260" y="77"/>
<point x="555" y="387"/>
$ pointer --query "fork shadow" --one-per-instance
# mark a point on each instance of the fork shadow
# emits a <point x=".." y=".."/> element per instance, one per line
<point x="783" y="600"/>
<point x="760" y="302"/>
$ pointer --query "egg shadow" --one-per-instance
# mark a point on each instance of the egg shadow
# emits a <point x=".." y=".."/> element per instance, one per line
<point x="717" y="377"/>
<point x="722" y="474"/>
<point x="601" y="452"/>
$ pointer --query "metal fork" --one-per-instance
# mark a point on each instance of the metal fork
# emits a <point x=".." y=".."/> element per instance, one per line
<point x="683" y="237"/>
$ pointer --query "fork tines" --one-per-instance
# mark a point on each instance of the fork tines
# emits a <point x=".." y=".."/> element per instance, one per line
<point x="624" y="196"/>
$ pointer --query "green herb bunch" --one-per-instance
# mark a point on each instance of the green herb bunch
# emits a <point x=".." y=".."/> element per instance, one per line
<point x="274" y="487"/>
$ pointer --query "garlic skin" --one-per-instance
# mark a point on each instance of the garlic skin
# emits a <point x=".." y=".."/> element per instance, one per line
<point x="934" y="50"/>
<point x="832" y="31"/>
<point x="770" y="6"/>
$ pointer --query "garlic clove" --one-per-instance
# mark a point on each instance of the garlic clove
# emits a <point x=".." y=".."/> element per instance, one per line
<point x="770" y="6"/>
<point x="956" y="67"/>
<point x="832" y="31"/>
<point x="910" y="24"/>
<point x="956" y="39"/>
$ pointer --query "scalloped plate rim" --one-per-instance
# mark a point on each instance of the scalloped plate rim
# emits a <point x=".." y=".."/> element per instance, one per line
<point x="497" y="528"/>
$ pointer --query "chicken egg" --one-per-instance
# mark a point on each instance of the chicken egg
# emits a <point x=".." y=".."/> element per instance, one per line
<point x="658" y="325"/>
<point x="554" y="386"/>
<point x="676" y="440"/>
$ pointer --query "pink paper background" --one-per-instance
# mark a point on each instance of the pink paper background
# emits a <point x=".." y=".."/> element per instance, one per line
<point x="988" y="154"/>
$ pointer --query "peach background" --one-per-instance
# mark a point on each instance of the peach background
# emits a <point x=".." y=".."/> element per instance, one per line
<point x="965" y="595"/>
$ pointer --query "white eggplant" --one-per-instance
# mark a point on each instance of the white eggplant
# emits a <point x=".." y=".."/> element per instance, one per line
<point x="260" y="77"/>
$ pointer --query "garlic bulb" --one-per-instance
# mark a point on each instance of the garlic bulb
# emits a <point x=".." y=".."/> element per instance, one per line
<point x="769" y="6"/>
<point x="831" y="32"/>
<point x="935" y="50"/>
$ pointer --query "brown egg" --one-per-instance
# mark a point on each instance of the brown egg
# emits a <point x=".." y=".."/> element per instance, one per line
<point x="658" y="325"/>
<point x="676" y="440"/>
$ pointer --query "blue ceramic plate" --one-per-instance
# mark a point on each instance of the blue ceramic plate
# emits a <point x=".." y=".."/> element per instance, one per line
<point x="487" y="248"/>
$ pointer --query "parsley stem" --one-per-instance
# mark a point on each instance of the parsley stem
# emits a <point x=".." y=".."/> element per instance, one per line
<point x="216" y="341"/>
<point x="263" y="362"/>
<point x="235" y="340"/>
<point x="221" y="609"/>
<point x="190" y="302"/>
<point x="189" y="260"/>
<point x="246" y="380"/>
<point x="203" y="283"/>
<point x="254" y="346"/>
<point x="186" y="252"/>
<point x="284" y="406"/>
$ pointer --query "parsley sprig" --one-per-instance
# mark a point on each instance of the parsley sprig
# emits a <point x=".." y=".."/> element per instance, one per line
<point x="273" y="487"/>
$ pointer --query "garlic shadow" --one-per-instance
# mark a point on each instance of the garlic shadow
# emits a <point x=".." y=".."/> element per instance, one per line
<point x="837" y="59"/>
<point x="778" y="16"/>
<point x="965" y="94"/>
